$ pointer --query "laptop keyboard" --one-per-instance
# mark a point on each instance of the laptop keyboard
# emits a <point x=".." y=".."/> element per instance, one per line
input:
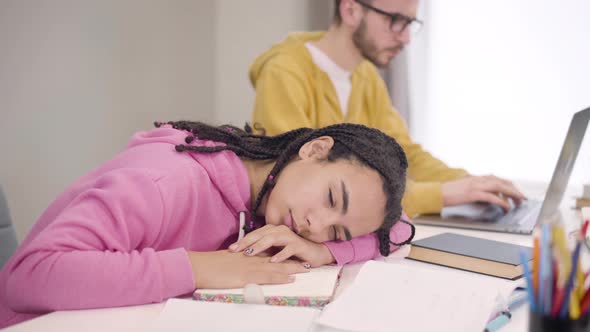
<point x="521" y="215"/>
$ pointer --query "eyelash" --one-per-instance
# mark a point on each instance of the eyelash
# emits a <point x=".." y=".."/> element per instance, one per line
<point x="331" y="197"/>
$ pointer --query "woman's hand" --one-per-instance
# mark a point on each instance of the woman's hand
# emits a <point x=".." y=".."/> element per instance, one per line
<point x="293" y="245"/>
<point x="224" y="269"/>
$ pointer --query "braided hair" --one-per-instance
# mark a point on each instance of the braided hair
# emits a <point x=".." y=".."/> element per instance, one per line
<point x="369" y="146"/>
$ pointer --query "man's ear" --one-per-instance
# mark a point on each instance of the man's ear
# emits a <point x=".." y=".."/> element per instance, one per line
<point x="351" y="13"/>
<point x="317" y="149"/>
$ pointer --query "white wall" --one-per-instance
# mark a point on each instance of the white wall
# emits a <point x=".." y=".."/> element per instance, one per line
<point x="498" y="82"/>
<point x="246" y="28"/>
<point x="502" y="79"/>
<point x="78" y="77"/>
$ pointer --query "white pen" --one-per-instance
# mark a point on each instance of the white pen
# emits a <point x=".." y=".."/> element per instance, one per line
<point x="242" y="224"/>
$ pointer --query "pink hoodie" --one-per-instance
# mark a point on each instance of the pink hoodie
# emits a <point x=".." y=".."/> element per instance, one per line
<point x="118" y="235"/>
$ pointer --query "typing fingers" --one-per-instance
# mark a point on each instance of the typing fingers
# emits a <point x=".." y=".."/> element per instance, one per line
<point x="502" y="187"/>
<point x="517" y="198"/>
<point x="484" y="196"/>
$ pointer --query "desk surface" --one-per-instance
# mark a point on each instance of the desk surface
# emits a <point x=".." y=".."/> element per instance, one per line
<point x="138" y="318"/>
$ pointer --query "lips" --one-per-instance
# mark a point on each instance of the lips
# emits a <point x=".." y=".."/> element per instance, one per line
<point x="394" y="51"/>
<point x="290" y="222"/>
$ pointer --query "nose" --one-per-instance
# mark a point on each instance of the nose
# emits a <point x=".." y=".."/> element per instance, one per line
<point x="317" y="221"/>
<point x="404" y="36"/>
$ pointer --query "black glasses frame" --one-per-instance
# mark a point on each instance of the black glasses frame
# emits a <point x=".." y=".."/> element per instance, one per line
<point x="393" y="17"/>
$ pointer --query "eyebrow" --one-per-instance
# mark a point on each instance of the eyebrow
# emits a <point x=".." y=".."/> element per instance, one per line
<point x="344" y="198"/>
<point x="386" y="13"/>
<point x="345" y="209"/>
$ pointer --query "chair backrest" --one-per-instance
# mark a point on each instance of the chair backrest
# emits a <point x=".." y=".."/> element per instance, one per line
<point x="8" y="241"/>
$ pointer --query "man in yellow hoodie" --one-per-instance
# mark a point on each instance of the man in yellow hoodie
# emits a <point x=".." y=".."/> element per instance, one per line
<point x="316" y="79"/>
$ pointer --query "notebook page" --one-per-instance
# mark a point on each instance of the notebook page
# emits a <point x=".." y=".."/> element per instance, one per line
<point x="319" y="282"/>
<point x="190" y="316"/>
<point x="387" y="296"/>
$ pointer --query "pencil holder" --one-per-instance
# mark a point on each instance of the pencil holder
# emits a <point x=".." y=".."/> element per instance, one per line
<point x="540" y="323"/>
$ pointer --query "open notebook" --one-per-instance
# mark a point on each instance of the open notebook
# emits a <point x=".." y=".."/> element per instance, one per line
<point x="414" y="297"/>
<point x="313" y="289"/>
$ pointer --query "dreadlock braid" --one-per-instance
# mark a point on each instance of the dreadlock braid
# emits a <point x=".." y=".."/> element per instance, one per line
<point x="370" y="147"/>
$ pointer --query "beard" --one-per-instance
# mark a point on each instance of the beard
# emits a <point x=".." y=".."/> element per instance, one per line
<point x="367" y="47"/>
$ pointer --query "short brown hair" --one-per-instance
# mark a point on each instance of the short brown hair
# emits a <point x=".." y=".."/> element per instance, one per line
<point x="337" y="16"/>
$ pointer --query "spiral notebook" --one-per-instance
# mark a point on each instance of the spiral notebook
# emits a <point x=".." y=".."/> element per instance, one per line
<point x="313" y="289"/>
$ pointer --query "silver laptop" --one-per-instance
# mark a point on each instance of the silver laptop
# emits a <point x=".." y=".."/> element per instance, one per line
<point x="521" y="219"/>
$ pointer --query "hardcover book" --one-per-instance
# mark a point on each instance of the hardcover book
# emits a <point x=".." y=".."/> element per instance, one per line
<point x="499" y="259"/>
<point x="313" y="289"/>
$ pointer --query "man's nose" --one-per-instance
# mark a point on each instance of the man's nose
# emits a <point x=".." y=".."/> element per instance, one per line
<point x="404" y="36"/>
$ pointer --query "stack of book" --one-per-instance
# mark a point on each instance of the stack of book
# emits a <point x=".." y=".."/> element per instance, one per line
<point x="584" y="200"/>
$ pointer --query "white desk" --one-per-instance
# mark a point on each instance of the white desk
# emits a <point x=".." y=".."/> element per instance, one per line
<point x="138" y="318"/>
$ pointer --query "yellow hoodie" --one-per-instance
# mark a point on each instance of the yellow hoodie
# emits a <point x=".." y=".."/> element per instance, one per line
<point x="292" y="92"/>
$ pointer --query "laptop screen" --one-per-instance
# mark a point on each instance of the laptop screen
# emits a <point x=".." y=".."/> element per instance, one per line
<point x="565" y="164"/>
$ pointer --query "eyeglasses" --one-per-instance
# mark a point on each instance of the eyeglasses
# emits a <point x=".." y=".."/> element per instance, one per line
<point x="397" y="22"/>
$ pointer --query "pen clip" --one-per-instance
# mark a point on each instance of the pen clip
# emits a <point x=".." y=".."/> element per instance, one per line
<point x="501" y="304"/>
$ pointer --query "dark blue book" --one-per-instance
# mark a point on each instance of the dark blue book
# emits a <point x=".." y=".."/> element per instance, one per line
<point x="494" y="258"/>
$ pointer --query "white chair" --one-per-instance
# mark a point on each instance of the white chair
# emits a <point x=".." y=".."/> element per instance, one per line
<point x="8" y="241"/>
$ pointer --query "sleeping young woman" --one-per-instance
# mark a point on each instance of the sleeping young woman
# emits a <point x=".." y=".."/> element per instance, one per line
<point x="168" y="214"/>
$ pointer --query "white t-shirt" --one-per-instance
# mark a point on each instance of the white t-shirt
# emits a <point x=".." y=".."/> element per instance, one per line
<point x="340" y="78"/>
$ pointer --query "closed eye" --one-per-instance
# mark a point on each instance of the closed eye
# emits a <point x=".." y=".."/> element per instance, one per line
<point x="331" y="198"/>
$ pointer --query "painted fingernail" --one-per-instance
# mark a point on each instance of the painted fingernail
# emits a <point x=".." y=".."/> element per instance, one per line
<point x="307" y="265"/>
<point x="233" y="247"/>
<point x="249" y="251"/>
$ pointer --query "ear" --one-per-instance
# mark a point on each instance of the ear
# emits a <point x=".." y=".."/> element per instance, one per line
<point x="351" y="13"/>
<point x="317" y="149"/>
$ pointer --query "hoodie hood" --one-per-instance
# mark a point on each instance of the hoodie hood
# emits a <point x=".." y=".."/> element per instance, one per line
<point x="226" y="170"/>
<point x="292" y="46"/>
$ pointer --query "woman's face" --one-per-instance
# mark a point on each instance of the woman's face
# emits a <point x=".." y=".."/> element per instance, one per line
<point x="326" y="201"/>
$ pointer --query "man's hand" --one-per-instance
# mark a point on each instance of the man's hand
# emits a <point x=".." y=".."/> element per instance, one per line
<point x="224" y="269"/>
<point x="293" y="245"/>
<point x="488" y="189"/>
